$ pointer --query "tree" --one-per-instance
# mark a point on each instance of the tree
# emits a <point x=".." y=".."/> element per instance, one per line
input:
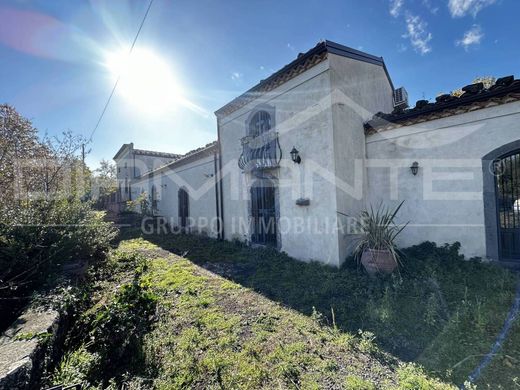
<point x="44" y="219"/>
<point x="18" y="140"/>
<point x="105" y="179"/>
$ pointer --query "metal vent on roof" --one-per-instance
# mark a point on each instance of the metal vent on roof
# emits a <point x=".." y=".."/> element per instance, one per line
<point x="400" y="98"/>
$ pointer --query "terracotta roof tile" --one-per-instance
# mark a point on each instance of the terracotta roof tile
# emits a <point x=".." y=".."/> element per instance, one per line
<point x="302" y="63"/>
<point x="475" y="97"/>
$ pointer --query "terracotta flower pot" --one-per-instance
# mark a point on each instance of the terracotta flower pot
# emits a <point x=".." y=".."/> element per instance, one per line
<point x="376" y="260"/>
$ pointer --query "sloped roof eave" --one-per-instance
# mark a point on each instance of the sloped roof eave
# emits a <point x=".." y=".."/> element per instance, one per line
<point x="191" y="156"/>
<point x="301" y="64"/>
<point x="496" y="95"/>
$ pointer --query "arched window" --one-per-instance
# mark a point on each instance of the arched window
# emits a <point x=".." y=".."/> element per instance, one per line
<point x="260" y="123"/>
<point x="184" y="207"/>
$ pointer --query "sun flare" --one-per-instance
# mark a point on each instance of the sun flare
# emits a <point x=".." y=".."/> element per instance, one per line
<point x="145" y="80"/>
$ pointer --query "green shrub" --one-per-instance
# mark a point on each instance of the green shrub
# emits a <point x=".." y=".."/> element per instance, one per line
<point x="412" y="377"/>
<point x="118" y="327"/>
<point x="356" y="383"/>
<point x="76" y="367"/>
<point x="40" y="236"/>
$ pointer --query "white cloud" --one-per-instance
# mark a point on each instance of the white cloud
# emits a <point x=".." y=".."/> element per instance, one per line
<point x="236" y="76"/>
<point x="471" y="37"/>
<point x="418" y="33"/>
<point x="395" y="7"/>
<point x="460" y="8"/>
<point x="291" y="47"/>
<point x="428" y="4"/>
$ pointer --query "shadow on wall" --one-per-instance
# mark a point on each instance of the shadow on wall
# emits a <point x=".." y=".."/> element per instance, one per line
<point x="418" y="315"/>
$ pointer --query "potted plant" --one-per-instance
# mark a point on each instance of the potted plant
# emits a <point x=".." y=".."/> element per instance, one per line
<point x="376" y="249"/>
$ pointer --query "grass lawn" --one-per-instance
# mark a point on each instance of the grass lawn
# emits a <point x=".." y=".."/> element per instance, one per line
<point x="210" y="314"/>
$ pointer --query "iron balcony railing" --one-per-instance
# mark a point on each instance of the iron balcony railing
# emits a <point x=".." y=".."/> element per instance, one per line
<point x="260" y="152"/>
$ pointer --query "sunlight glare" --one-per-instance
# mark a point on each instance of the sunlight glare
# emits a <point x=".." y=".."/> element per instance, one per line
<point x="145" y="80"/>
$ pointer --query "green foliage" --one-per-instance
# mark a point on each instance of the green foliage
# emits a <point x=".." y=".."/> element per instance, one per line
<point x="76" y="367"/>
<point x="207" y="332"/>
<point x="355" y="383"/>
<point x="45" y="234"/>
<point x="367" y="342"/>
<point x="106" y="341"/>
<point x="210" y="332"/>
<point x="442" y="311"/>
<point x="412" y="377"/>
<point x="45" y="220"/>
<point x="116" y="329"/>
<point x="43" y="336"/>
<point x="379" y="230"/>
<point x="140" y="205"/>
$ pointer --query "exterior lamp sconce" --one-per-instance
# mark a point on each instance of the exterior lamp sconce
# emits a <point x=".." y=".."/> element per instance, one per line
<point x="295" y="155"/>
<point x="414" y="168"/>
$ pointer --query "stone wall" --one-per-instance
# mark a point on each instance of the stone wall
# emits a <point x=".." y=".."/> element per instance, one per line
<point x="29" y="346"/>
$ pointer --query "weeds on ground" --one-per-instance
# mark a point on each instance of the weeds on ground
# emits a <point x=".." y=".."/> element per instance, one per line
<point x="441" y="311"/>
<point x="162" y="322"/>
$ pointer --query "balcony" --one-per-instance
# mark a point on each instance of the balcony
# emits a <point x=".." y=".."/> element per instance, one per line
<point x="260" y="152"/>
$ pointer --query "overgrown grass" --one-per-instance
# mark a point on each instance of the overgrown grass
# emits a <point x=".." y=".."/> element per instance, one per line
<point x="442" y="311"/>
<point x="171" y="324"/>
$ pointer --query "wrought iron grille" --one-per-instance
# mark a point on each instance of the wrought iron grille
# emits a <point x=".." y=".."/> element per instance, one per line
<point x="263" y="212"/>
<point x="261" y="152"/>
<point x="507" y="174"/>
<point x="260" y="148"/>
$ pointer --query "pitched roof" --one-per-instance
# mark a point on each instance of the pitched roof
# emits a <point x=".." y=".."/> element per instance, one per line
<point x="303" y="62"/>
<point x="121" y="149"/>
<point x="145" y="152"/>
<point x="157" y="154"/>
<point x="475" y="96"/>
<point x="186" y="158"/>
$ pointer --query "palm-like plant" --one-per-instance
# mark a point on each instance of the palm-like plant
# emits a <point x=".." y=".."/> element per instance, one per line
<point x="379" y="230"/>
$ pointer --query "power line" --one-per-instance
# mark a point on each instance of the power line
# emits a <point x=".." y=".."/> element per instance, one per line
<point x="119" y="75"/>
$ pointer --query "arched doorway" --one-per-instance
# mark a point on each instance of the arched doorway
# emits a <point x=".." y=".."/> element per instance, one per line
<point x="263" y="213"/>
<point x="501" y="193"/>
<point x="184" y="207"/>
<point x="507" y="190"/>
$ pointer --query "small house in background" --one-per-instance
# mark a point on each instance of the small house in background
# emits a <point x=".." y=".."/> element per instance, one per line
<point x="133" y="163"/>
<point x="304" y="151"/>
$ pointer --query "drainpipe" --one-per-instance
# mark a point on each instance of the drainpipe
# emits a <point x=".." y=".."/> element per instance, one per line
<point x="219" y="144"/>
<point x="217" y="209"/>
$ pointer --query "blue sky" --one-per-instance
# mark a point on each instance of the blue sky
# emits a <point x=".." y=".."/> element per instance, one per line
<point x="53" y="55"/>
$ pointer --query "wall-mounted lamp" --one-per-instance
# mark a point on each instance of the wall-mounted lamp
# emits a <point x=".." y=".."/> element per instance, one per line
<point x="414" y="168"/>
<point x="295" y="155"/>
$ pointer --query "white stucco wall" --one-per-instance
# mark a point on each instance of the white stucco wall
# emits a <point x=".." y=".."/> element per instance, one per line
<point x="303" y="118"/>
<point x="359" y="90"/>
<point x="444" y="202"/>
<point x="197" y="178"/>
<point x="321" y="112"/>
<point x="130" y="166"/>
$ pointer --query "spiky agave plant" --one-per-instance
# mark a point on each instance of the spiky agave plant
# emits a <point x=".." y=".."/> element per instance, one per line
<point x="379" y="230"/>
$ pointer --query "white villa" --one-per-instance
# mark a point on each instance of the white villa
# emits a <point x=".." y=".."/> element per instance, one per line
<point x="300" y="154"/>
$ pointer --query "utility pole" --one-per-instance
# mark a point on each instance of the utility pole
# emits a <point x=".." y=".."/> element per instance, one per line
<point x="83" y="155"/>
